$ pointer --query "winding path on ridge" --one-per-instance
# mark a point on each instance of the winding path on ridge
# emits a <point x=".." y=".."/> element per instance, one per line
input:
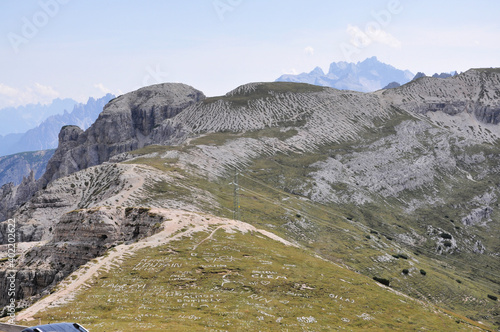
<point x="178" y="224"/>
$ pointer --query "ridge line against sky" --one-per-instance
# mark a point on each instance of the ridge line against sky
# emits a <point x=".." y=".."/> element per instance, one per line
<point x="77" y="49"/>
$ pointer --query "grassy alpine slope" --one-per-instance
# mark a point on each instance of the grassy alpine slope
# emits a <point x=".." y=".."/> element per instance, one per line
<point x="427" y="253"/>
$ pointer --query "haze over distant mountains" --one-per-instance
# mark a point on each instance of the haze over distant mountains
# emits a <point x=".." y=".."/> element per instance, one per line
<point x="23" y="118"/>
<point x="16" y="167"/>
<point x="45" y="135"/>
<point x="366" y="76"/>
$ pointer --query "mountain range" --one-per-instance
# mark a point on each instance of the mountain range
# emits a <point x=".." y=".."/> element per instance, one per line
<point x="276" y="206"/>
<point x="366" y="76"/>
<point x="15" y="167"/>
<point x="16" y="120"/>
<point x="44" y="135"/>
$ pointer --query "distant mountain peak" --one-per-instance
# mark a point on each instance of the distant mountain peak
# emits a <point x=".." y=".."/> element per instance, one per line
<point x="372" y="59"/>
<point x="392" y="85"/>
<point x="365" y="76"/>
<point x="318" y="71"/>
<point x="418" y="75"/>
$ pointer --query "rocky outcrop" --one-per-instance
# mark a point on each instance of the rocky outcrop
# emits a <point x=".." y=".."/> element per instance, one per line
<point x="65" y="160"/>
<point x="418" y="75"/>
<point x="487" y="114"/>
<point x="12" y="197"/>
<point x="477" y="216"/>
<point x="126" y="124"/>
<point x="105" y="226"/>
<point x="78" y="237"/>
<point x="392" y="85"/>
<point x="82" y="190"/>
<point x="442" y="75"/>
<point x="8" y="197"/>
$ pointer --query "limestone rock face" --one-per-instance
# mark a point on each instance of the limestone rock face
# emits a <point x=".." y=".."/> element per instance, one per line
<point x="487" y="114"/>
<point x="12" y="197"/>
<point x="35" y="218"/>
<point x="64" y="162"/>
<point x="7" y="193"/>
<point x="30" y="282"/>
<point x="125" y="124"/>
<point x="105" y="226"/>
<point x="78" y="237"/>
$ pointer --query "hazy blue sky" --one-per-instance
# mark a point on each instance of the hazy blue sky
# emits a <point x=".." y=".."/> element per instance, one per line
<point x="82" y="48"/>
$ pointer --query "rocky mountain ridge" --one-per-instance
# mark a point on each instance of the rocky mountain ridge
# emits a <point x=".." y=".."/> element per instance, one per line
<point x="133" y="121"/>
<point x="124" y="126"/>
<point x="118" y="129"/>
<point x="127" y="123"/>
